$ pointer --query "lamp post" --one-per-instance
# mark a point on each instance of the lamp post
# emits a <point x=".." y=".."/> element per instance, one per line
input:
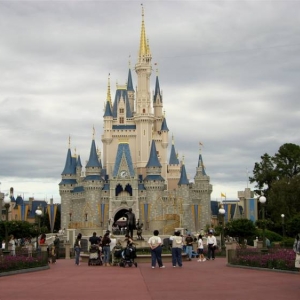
<point x="262" y="200"/>
<point x="283" y="229"/>
<point x="222" y="215"/>
<point x="6" y="205"/>
<point x="38" y="213"/>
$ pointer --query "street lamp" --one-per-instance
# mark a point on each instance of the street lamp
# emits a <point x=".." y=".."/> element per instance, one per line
<point x="38" y="213"/>
<point x="6" y="205"/>
<point x="222" y="215"/>
<point x="262" y="200"/>
<point x="283" y="229"/>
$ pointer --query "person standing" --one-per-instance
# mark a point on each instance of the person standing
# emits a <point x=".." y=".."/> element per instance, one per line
<point x="177" y="243"/>
<point x="12" y="245"/>
<point x="155" y="244"/>
<point x="189" y="246"/>
<point x="106" y="249"/>
<point x="211" y="245"/>
<point x="131" y="223"/>
<point x="77" y="248"/>
<point x="296" y="248"/>
<point x="56" y="245"/>
<point x="200" y="249"/>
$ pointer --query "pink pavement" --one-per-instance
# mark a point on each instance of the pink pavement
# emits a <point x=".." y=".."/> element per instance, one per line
<point x="195" y="280"/>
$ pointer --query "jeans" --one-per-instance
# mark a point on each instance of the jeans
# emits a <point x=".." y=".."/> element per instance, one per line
<point x="106" y="254"/>
<point x="156" y="256"/>
<point x="210" y="251"/>
<point x="188" y="251"/>
<point x="77" y="255"/>
<point x="176" y="257"/>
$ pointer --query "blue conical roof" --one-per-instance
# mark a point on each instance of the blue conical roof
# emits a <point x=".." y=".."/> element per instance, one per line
<point x="173" y="157"/>
<point x="129" y="82"/>
<point x="157" y="89"/>
<point x="153" y="159"/>
<point x="183" y="178"/>
<point x="93" y="160"/>
<point x="164" y="126"/>
<point x="69" y="167"/>
<point x="78" y="165"/>
<point x="201" y="165"/>
<point x="107" y="112"/>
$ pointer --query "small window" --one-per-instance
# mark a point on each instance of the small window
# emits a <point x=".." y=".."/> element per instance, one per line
<point x="121" y="120"/>
<point x="144" y="111"/>
<point x="121" y="110"/>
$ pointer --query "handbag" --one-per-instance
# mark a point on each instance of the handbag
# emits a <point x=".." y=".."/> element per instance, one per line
<point x="297" y="261"/>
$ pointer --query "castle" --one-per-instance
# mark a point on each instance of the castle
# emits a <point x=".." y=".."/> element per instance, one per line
<point x="137" y="170"/>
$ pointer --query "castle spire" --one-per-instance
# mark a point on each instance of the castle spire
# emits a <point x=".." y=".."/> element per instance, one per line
<point x="144" y="44"/>
<point x="153" y="159"/>
<point x="173" y="157"/>
<point x="108" y="97"/>
<point x="183" y="177"/>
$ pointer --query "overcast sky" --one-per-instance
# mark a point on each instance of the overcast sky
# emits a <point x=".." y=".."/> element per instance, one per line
<point x="229" y="72"/>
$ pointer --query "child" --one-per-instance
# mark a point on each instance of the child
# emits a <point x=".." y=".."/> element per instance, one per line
<point x="200" y="249"/>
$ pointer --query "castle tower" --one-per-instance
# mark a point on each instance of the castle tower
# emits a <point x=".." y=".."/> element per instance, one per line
<point x="144" y="117"/>
<point x="173" y="169"/>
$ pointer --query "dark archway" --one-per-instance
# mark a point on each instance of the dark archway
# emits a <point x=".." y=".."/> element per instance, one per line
<point x="128" y="189"/>
<point x="119" y="189"/>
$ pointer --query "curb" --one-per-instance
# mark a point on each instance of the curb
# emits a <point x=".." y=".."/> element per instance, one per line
<point x="22" y="271"/>
<point x="263" y="269"/>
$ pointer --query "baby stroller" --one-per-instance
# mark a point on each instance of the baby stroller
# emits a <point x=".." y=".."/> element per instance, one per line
<point x="95" y="257"/>
<point x="117" y="255"/>
<point x="128" y="256"/>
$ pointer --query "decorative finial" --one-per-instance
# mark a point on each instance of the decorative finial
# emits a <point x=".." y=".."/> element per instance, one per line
<point x="93" y="132"/>
<point x="69" y="141"/>
<point x="108" y="97"/>
<point x="164" y="114"/>
<point x="172" y="139"/>
<point x="156" y="69"/>
<point x="200" y="144"/>
<point x="129" y="62"/>
<point x="183" y="159"/>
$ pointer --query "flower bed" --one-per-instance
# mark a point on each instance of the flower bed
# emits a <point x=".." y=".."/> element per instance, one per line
<point x="19" y="262"/>
<point x="281" y="259"/>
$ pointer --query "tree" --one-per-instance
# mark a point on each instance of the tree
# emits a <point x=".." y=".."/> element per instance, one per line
<point x="278" y="177"/>
<point x="284" y="164"/>
<point x="242" y="228"/>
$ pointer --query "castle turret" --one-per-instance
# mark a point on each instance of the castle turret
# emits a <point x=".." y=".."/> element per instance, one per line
<point x="157" y="105"/>
<point x="173" y="168"/>
<point x="154" y="180"/>
<point x="130" y="90"/>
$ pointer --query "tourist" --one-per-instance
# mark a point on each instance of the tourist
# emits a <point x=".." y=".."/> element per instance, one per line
<point x="77" y="248"/>
<point x="94" y="240"/>
<point x="200" y="249"/>
<point x="56" y="245"/>
<point x="43" y="239"/>
<point x="177" y="243"/>
<point x="12" y="245"/>
<point x="211" y="245"/>
<point x="131" y="224"/>
<point x="296" y="249"/>
<point x="189" y="246"/>
<point x="155" y="244"/>
<point x="106" y="249"/>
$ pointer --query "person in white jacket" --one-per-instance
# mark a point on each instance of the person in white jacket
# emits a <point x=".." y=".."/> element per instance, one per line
<point x="211" y="245"/>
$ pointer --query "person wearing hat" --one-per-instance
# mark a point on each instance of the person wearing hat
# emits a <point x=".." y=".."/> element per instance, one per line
<point x="189" y="246"/>
<point x="211" y="245"/>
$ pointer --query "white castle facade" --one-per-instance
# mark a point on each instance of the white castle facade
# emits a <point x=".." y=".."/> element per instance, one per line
<point x="138" y="170"/>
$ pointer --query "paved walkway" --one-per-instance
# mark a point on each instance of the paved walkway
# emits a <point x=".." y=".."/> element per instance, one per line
<point x="208" y="280"/>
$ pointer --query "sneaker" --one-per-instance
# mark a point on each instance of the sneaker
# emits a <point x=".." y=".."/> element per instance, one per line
<point x="199" y="260"/>
<point x="174" y="266"/>
<point x="152" y="267"/>
<point x="204" y="259"/>
<point x="162" y="267"/>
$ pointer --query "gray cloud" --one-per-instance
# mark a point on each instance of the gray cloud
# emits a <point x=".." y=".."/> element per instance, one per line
<point x="228" y="71"/>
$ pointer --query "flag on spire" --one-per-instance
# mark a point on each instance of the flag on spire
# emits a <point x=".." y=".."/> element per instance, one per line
<point x="223" y="195"/>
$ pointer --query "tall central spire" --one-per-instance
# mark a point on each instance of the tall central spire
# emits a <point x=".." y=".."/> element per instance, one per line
<point x="144" y="45"/>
